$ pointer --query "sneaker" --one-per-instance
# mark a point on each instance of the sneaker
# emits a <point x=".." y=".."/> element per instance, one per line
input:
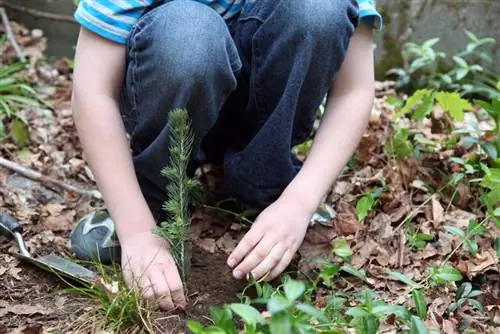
<point x="95" y="239"/>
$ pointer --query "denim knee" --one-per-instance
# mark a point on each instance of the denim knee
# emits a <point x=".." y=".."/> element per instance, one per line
<point x="186" y="41"/>
<point x="322" y="20"/>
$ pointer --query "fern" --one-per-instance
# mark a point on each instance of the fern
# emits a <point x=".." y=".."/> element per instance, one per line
<point x="175" y="230"/>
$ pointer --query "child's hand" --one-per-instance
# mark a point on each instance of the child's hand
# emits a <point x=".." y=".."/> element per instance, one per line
<point x="272" y="241"/>
<point x="149" y="267"/>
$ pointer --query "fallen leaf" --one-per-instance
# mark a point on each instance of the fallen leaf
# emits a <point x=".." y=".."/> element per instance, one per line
<point x="381" y="228"/>
<point x="23" y="309"/>
<point x="360" y="257"/>
<point x="346" y="223"/>
<point x="437" y="210"/>
<point x="450" y="326"/>
<point x="484" y="261"/>
<point x="14" y="272"/>
<point x="226" y="243"/>
<point x="207" y="244"/>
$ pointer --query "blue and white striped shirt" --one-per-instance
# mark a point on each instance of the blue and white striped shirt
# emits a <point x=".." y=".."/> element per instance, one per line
<point x="114" y="19"/>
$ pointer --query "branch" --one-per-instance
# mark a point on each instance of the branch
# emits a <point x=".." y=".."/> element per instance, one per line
<point x="37" y="13"/>
<point x="34" y="175"/>
<point x="10" y="35"/>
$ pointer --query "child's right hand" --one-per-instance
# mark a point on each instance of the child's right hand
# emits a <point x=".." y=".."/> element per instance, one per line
<point x="149" y="267"/>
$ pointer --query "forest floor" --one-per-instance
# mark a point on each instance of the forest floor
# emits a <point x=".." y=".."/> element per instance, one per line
<point x="386" y="239"/>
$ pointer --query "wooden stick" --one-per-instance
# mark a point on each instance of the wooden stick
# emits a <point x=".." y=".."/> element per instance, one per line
<point x="38" y="13"/>
<point x="10" y="35"/>
<point x="34" y="175"/>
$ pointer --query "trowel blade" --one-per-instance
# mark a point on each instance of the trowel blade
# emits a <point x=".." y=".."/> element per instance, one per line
<point x="61" y="266"/>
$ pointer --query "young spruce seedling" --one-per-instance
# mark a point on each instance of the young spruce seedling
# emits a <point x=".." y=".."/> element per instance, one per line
<point x="175" y="230"/>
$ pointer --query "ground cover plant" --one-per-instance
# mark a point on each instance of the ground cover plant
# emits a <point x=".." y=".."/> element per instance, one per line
<point x="413" y="246"/>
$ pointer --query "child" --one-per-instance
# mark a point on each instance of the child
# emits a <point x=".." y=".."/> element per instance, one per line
<point x="251" y="73"/>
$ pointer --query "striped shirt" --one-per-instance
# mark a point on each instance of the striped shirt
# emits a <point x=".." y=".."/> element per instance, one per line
<point x="114" y="19"/>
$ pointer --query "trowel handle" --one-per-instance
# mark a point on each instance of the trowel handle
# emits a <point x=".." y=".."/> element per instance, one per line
<point x="9" y="226"/>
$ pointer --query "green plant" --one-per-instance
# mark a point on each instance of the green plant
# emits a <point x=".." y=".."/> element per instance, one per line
<point x="424" y="67"/>
<point x="466" y="294"/>
<point x="118" y="308"/>
<point x="15" y="94"/>
<point x="176" y="229"/>
<point x="285" y="313"/>
<point x="416" y="239"/>
<point x="468" y="237"/>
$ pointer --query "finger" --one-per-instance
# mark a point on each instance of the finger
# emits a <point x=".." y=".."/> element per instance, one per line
<point x="249" y="241"/>
<point x="268" y="264"/>
<point x="161" y="290"/>
<point x="176" y="289"/>
<point x="146" y="288"/>
<point x="285" y="261"/>
<point x="258" y="254"/>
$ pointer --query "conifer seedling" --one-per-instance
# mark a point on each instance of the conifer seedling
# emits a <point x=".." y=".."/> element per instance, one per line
<point x="175" y="230"/>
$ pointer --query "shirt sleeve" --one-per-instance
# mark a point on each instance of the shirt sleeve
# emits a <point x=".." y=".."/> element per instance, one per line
<point x="111" y="19"/>
<point x="369" y="15"/>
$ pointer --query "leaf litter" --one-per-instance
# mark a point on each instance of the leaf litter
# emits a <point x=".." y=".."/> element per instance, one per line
<point x="380" y="242"/>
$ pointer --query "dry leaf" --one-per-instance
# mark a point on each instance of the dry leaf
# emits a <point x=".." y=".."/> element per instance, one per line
<point x="226" y="243"/>
<point x="346" y="223"/>
<point x="207" y="244"/>
<point x="23" y="309"/>
<point x="437" y="210"/>
<point x="14" y="272"/>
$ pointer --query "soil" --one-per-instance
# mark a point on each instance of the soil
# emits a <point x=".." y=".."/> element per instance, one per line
<point x="210" y="284"/>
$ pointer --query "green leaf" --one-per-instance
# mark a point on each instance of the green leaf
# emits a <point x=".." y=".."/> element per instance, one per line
<point x="476" y="304"/>
<point x="312" y="311"/>
<point x="475" y="293"/>
<point x="278" y="303"/>
<point x="412" y="102"/>
<point x="424" y="109"/>
<point x="497" y="246"/>
<point x="452" y="307"/>
<point x="420" y="303"/>
<point x="431" y="42"/>
<point x="19" y="132"/>
<point x="496" y="213"/>
<point x="357" y="312"/>
<point x="2" y="130"/>
<point x="464" y="290"/>
<point x="473" y="247"/>
<point x="462" y="73"/>
<point x="195" y="327"/>
<point x="424" y="237"/>
<point x="386" y="309"/>
<point x="418" y="326"/>
<point x="403" y="278"/>
<point x="280" y="323"/>
<point x="364" y="206"/>
<point x="460" y="62"/>
<point x="249" y="314"/>
<point x="448" y="273"/>
<point x="455" y="231"/>
<point x="341" y="248"/>
<point x="359" y="273"/>
<point x="294" y="289"/>
<point x="398" y="144"/>
<point x="223" y="318"/>
<point x="454" y="104"/>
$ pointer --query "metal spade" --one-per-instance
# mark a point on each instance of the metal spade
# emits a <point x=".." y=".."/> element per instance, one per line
<point x="60" y="266"/>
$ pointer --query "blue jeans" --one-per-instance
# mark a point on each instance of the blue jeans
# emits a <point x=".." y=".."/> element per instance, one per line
<point x="252" y="87"/>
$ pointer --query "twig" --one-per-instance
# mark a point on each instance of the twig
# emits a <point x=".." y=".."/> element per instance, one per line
<point x="10" y="35"/>
<point x="402" y="242"/>
<point x="34" y="175"/>
<point x="38" y="13"/>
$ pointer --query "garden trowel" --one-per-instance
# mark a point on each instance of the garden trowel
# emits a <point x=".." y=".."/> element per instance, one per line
<point x="60" y="266"/>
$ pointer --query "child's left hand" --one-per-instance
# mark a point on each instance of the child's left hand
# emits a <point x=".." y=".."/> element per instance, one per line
<point x="272" y="241"/>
